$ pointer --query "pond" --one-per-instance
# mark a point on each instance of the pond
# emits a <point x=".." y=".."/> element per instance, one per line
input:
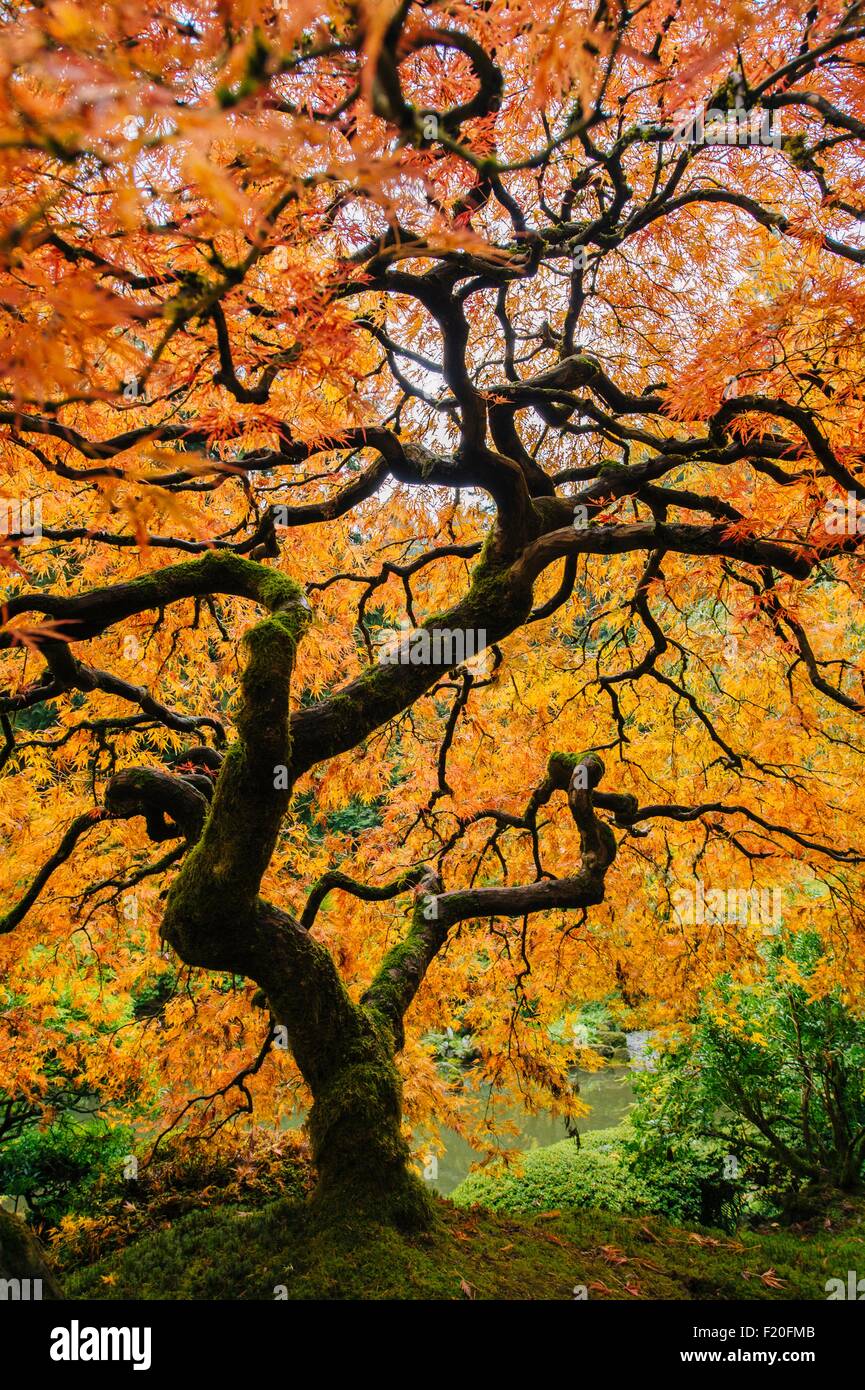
<point x="609" y="1093"/>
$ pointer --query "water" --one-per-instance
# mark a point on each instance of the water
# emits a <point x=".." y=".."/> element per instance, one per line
<point x="609" y="1093"/>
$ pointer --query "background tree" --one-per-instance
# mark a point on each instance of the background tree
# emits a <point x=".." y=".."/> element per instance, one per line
<point x="319" y="318"/>
<point x="773" y="1072"/>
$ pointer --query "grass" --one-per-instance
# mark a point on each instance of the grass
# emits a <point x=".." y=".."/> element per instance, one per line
<point x="233" y="1253"/>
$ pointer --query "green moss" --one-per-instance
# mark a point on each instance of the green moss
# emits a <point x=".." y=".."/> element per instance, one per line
<point x="214" y="895"/>
<point x="218" y="571"/>
<point x="252" y="1254"/>
<point x="796" y="149"/>
<point x="403" y="968"/>
<point x="276" y="590"/>
<point x="561" y="765"/>
<point x="356" y="1135"/>
<point x="21" y="1256"/>
<point x="496" y="600"/>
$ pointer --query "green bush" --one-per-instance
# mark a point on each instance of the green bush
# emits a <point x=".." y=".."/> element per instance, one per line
<point x="57" y="1169"/>
<point x="775" y="1070"/>
<point x="606" y="1172"/>
<point x="454" y="1053"/>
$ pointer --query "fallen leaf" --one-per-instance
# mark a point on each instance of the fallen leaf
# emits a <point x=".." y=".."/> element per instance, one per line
<point x="613" y="1255"/>
<point x="600" y="1287"/>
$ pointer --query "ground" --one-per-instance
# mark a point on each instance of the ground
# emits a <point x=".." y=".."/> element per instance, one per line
<point x="234" y="1253"/>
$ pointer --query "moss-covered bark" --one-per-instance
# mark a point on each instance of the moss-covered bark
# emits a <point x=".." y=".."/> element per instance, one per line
<point x="355" y="1129"/>
<point x="21" y="1259"/>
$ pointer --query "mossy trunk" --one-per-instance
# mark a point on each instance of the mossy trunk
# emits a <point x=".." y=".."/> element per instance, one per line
<point x="362" y="1159"/>
<point x="23" y="1270"/>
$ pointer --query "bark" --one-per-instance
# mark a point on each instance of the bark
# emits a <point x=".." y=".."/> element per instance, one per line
<point x="345" y="1052"/>
<point x="360" y="1152"/>
<point x="21" y="1260"/>
<point x="214" y="918"/>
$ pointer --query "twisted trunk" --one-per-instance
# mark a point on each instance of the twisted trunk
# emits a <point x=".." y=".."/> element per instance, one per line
<point x="360" y="1154"/>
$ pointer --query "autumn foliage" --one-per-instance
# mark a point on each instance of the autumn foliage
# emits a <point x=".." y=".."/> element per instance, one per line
<point x="433" y="311"/>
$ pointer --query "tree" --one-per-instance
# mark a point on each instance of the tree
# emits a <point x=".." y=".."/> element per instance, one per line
<point x="446" y="320"/>
<point x="771" y="1071"/>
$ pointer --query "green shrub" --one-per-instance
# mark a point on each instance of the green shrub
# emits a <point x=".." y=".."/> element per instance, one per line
<point x="774" y="1069"/>
<point x="454" y="1053"/>
<point x="606" y="1173"/>
<point x="57" y="1169"/>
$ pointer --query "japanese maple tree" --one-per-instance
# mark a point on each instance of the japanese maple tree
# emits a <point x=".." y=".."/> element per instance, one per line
<point x="325" y="324"/>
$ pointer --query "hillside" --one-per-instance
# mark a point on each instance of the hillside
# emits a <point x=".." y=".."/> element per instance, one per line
<point x="237" y="1253"/>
